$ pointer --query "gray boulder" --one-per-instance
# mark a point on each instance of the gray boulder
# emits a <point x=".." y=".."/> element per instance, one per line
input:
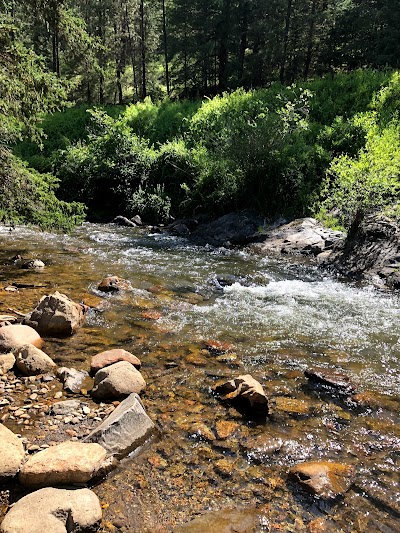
<point x="56" y="316"/>
<point x="123" y="221"/>
<point x="11" y="453"/>
<point x="230" y="229"/>
<point x="66" y="407"/>
<point x="54" y="511"/>
<point x="32" y="361"/>
<point x="305" y="236"/>
<point x="127" y="428"/>
<point x="117" y="380"/>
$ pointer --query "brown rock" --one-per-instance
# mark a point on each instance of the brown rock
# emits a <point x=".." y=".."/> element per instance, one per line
<point x="331" y="378"/>
<point x="114" y="284"/>
<point x="66" y="463"/>
<point x="224" y="521"/>
<point x="14" y="336"/>
<point x="376" y="400"/>
<point x="56" y="315"/>
<point x="290" y="406"/>
<point x="109" y="357"/>
<point x="323" y="478"/>
<point x="217" y="347"/>
<point x="225" y="428"/>
<point x="247" y="389"/>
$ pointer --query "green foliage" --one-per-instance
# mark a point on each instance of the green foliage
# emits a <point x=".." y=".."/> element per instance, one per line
<point x="152" y="204"/>
<point x="369" y="182"/>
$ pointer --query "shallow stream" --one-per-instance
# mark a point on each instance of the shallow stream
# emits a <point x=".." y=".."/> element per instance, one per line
<point x="278" y="317"/>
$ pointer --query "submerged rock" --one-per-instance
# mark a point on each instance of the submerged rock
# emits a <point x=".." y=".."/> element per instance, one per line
<point x="114" y="284"/>
<point x="54" y="511"/>
<point x="331" y="378"/>
<point x="323" y="478"/>
<point x="32" y="361"/>
<point x="14" y="336"/>
<point x="224" y="521"/>
<point x="109" y="357"/>
<point x="33" y="264"/>
<point x="127" y="428"/>
<point x="63" y="464"/>
<point x="244" y="389"/>
<point x="117" y="380"/>
<point x="259" y="449"/>
<point x="11" y="453"/>
<point x="56" y="315"/>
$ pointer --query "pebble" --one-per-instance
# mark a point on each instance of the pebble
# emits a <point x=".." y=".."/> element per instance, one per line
<point x="85" y="409"/>
<point x="58" y="395"/>
<point x="33" y="396"/>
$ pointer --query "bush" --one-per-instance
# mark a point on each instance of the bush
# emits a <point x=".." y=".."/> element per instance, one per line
<point x="152" y="204"/>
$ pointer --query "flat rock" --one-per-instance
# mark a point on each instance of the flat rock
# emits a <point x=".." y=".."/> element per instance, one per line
<point x="11" y="453"/>
<point x="244" y="389"/>
<point x="66" y="463"/>
<point x="117" y="380"/>
<point x="109" y="357"/>
<point x="56" y="316"/>
<point x="224" y="521"/>
<point x="114" y="284"/>
<point x="74" y="380"/>
<point x="54" y="511"/>
<point x="323" y="478"/>
<point x="331" y="378"/>
<point x="66" y="407"/>
<point x="305" y="236"/>
<point x="7" y="361"/>
<point x="17" y="335"/>
<point x="125" y="429"/>
<point x="32" y="361"/>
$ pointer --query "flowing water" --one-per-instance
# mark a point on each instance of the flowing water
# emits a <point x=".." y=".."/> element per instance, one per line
<point x="280" y="317"/>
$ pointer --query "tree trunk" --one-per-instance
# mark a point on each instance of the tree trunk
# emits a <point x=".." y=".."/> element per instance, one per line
<point x="143" y="49"/>
<point x="285" y="40"/>
<point x="165" y="36"/>
<point x="307" y="62"/>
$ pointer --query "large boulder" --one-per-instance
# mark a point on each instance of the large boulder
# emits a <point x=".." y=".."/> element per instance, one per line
<point x="54" y="511"/>
<point x="230" y="229"/>
<point x="109" y="357"/>
<point x="305" y="236"/>
<point x="56" y="316"/>
<point x="32" y="361"/>
<point x="371" y="251"/>
<point x="117" y="380"/>
<point x="323" y="478"/>
<point x="244" y="389"/>
<point x="11" y="453"/>
<point x="125" y="429"/>
<point x="14" y="336"/>
<point x="64" y="464"/>
<point x="7" y="361"/>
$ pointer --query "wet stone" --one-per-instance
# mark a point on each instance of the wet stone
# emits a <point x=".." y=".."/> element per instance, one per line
<point x="322" y="478"/>
<point x="331" y="378"/>
<point x="259" y="449"/>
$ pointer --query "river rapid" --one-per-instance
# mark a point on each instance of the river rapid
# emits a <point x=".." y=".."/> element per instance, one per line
<point x="280" y="316"/>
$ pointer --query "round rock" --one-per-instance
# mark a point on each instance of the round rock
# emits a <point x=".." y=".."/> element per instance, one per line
<point x="11" y="453"/>
<point x="117" y="380"/>
<point x="54" y="511"/>
<point x="66" y="463"/>
<point x="7" y="361"/>
<point x="14" y="336"/>
<point x="32" y="361"/>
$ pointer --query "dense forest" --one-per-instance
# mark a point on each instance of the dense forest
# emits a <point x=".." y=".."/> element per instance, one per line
<point x="170" y="108"/>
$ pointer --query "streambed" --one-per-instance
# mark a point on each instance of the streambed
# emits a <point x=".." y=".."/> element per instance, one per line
<point x="281" y="317"/>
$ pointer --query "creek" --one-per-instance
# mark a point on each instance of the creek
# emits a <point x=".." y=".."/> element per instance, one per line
<point x="279" y="316"/>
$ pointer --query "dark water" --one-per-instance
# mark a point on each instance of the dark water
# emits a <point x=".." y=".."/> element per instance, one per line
<point x="281" y="317"/>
